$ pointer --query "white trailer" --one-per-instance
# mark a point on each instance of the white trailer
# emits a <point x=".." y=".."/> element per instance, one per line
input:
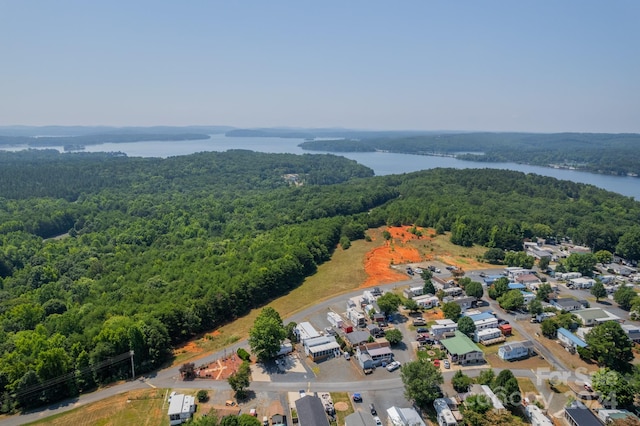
<point x="335" y="319"/>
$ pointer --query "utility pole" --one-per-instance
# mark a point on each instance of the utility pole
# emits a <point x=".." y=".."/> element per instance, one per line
<point x="133" y="370"/>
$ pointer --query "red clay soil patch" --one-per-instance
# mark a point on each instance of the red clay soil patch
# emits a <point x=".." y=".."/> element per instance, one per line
<point x="189" y="347"/>
<point x="433" y="314"/>
<point x="220" y="369"/>
<point x="378" y="261"/>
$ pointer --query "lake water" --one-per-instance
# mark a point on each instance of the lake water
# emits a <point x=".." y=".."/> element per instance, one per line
<point x="382" y="163"/>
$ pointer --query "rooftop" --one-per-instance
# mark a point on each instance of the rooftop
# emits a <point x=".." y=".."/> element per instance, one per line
<point x="572" y="337"/>
<point x="460" y="344"/>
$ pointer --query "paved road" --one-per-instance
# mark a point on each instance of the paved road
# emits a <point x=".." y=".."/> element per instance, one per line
<point x="170" y="377"/>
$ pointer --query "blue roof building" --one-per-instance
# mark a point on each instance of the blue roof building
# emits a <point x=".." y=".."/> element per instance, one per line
<point x="569" y="339"/>
<point x="517" y="286"/>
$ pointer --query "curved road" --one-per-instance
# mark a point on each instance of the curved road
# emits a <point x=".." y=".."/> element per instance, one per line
<point x="170" y="377"/>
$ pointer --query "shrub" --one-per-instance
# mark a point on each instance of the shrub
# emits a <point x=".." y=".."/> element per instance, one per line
<point x="244" y="355"/>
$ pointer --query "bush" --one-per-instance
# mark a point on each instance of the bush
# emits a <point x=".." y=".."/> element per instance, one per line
<point x="244" y="355"/>
<point x="202" y="396"/>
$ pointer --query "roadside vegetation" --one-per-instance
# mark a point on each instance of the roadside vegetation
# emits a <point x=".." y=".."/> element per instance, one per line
<point x="160" y="251"/>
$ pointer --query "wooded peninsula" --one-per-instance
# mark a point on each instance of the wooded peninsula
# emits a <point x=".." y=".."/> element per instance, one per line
<point x="593" y="152"/>
<point x="101" y="254"/>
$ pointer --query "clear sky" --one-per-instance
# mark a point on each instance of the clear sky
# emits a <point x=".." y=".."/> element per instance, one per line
<point x="513" y="65"/>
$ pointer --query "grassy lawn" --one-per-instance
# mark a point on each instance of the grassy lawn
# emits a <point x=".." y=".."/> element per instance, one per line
<point x="526" y="385"/>
<point x="139" y="407"/>
<point x="341" y="415"/>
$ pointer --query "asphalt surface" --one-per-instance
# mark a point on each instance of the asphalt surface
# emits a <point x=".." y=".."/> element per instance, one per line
<point x="382" y="388"/>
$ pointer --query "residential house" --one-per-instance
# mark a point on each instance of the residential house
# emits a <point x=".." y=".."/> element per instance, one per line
<point x="453" y="291"/>
<point x="528" y="280"/>
<point x="566" y="304"/>
<point x="356" y="317"/>
<point x="322" y="347"/>
<point x="335" y="319"/>
<point x="528" y="297"/>
<point x="609" y="416"/>
<point x="411" y="292"/>
<point x="404" y="417"/>
<point x="568" y="275"/>
<point x="623" y="270"/>
<point x="632" y="331"/>
<point x="577" y="414"/>
<point x="379" y="319"/>
<point x="487" y="334"/>
<point x="536" y="416"/>
<point x="594" y="316"/>
<point x="181" y="408"/>
<point x="461" y="350"/>
<point x="357" y="338"/>
<point x="582" y="282"/>
<point x="515" y="350"/>
<point x="378" y="352"/>
<point x="465" y="302"/>
<point x="514" y="272"/>
<point x="444" y="414"/>
<point x="539" y="253"/>
<point x="305" y="331"/>
<point x="483" y="320"/>
<point x="490" y="279"/>
<point x="374" y="330"/>
<point x="311" y="411"/>
<point x="516" y="286"/>
<point x="443" y="328"/>
<point x="277" y="414"/>
<point x="427" y="301"/>
<point x="570" y="340"/>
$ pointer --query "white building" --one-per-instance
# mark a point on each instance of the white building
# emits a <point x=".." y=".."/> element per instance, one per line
<point x="356" y="317"/>
<point x="485" y="334"/>
<point x="181" y="408"/>
<point x="305" y="331"/>
<point x="536" y="417"/>
<point x="404" y="417"/>
<point x="445" y="416"/>
<point x="412" y="292"/>
<point x="322" y="347"/>
<point x="443" y="328"/>
<point x="515" y="350"/>
<point x="427" y="301"/>
<point x="581" y="282"/>
<point x="335" y="319"/>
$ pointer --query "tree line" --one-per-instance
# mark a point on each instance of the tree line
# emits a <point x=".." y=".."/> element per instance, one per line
<point x="150" y="252"/>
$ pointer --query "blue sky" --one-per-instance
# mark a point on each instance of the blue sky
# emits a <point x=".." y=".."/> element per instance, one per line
<point x="540" y="66"/>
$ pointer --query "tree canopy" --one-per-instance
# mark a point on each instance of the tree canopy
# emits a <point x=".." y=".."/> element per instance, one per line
<point x="267" y="334"/>
<point x="421" y="381"/>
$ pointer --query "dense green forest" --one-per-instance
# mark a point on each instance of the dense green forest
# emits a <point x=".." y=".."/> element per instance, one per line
<point x="44" y="141"/>
<point x="595" y="152"/>
<point x="155" y="250"/>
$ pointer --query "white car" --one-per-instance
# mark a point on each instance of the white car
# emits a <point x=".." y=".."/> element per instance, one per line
<point x="393" y="366"/>
<point x="377" y="420"/>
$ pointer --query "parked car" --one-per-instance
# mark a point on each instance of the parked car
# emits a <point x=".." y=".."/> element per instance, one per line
<point x="302" y="393"/>
<point x="446" y="364"/>
<point x="253" y="412"/>
<point x="393" y="366"/>
<point x="357" y="397"/>
<point x="373" y="410"/>
<point x="419" y="321"/>
<point x="422" y="330"/>
<point x="436" y="362"/>
<point x="418" y="270"/>
<point x="347" y="356"/>
<point x="377" y="420"/>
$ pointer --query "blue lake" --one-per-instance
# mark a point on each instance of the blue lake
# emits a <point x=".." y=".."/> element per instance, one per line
<point x="382" y="163"/>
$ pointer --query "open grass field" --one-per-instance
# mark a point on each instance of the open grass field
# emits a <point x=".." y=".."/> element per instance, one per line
<point x="139" y="407"/>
